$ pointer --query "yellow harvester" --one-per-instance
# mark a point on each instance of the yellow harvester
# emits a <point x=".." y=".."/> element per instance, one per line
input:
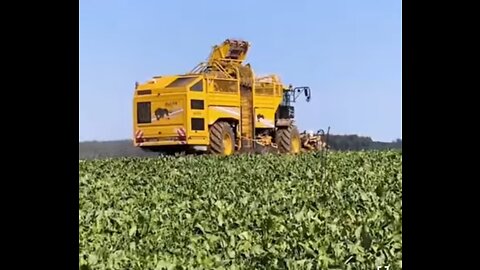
<point x="220" y="106"/>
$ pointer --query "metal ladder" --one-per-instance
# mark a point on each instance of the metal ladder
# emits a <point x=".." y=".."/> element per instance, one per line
<point x="246" y="112"/>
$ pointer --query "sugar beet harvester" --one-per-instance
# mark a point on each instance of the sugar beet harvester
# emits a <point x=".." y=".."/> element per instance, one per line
<point x="219" y="107"/>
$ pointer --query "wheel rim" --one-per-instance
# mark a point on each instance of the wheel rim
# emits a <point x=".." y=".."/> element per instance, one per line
<point x="295" y="144"/>
<point x="227" y="144"/>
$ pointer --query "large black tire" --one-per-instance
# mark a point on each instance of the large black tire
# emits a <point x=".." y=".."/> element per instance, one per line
<point x="288" y="140"/>
<point x="220" y="133"/>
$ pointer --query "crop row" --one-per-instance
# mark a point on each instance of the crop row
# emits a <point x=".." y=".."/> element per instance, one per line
<point x="242" y="212"/>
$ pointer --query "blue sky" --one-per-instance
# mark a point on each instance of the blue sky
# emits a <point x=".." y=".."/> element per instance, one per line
<point x="348" y="52"/>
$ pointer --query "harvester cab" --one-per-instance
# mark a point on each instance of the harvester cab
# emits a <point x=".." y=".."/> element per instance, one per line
<point x="291" y="94"/>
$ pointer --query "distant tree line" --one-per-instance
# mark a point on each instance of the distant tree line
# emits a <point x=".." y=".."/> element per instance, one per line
<point x="125" y="148"/>
<point x="110" y="149"/>
<point x="357" y="143"/>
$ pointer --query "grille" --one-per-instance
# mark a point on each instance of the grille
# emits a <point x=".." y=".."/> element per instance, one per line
<point x="144" y="113"/>
<point x="144" y="92"/>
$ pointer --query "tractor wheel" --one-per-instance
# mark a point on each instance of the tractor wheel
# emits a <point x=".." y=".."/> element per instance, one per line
<point x="222" y="139"/>
<point x="288" y="140"/>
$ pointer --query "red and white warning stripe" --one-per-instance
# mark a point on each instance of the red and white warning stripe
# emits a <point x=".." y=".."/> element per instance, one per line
<point x="138" y="134"/>
<point x="182" y="135"/>
<point x="181" y="132"/>
<point x="139" y="137"/>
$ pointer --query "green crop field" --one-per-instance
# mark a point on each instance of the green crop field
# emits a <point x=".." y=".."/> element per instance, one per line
<point x="242" y="212"/>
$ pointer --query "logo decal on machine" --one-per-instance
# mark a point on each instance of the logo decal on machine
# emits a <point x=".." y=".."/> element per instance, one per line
<point x="262" y="120"/>
<point x="162" y="113"/>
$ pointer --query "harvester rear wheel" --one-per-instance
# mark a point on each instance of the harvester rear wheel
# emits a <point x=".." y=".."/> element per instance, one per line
<point x="288" y="140"/>
<point x="222" y="139"/>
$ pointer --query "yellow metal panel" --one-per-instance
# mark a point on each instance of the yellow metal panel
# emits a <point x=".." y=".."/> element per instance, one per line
<point x="167" y="112"/>
<point x="224" y="100"/>
<point x="197" y="113"/>
<point x="217" y="112"/>
<point x="167" y="109"/>
<point x="157" y="83"/>
<point x="267" y="102"/>
<point x="203" y="141"/>
<point x="159" y="143"/>
<point x="264" y="118"/>
<point x="164" y="132"/>
<point x="161" y="83"/>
